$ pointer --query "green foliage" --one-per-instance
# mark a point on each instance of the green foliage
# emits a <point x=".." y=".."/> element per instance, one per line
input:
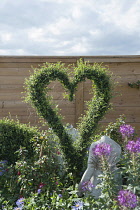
<point x="13" y="135"/>
<point x="112" y="130"/>
<point x="134" y="84"/>
<point x="132" y="171"/>
<point x="36" y="88"/>
<point x="28" y="175"/>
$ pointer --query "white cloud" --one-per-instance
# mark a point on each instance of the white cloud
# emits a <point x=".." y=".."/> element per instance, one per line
<point x="62" y="25"/>
<point x="125" y="15"/>
<point x="96" y="33"/>
<point x="4" y="52"/>
<point x="36" y="34"/>
<point x="76" y="12"/>
<point x="12" y="52"/>
<point x="58" y="1"/>
<point x="80" y="46"/>
<point x="5" y="37"/>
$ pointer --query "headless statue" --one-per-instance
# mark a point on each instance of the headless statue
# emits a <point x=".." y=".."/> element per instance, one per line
<point x="94" y="168"/>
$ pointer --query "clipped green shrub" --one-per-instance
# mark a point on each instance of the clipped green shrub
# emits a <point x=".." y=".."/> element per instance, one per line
<point x="37" y="88"/>
<point x="13" y="134"/>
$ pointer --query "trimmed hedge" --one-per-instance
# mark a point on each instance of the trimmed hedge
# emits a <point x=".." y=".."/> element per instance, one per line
<point x="13" y="135"/>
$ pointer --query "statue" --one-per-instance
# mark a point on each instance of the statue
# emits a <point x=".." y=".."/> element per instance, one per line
<point x="90" y="177"/>
<point x="73" y="132"/>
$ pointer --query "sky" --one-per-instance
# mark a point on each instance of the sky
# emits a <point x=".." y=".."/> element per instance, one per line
<point x="69" y="27"/>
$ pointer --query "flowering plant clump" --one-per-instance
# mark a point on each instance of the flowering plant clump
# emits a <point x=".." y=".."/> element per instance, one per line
<point x="133" y="146"/>
<point x="127" y="198"/>
<point x="42" y="183"/>
<point x="102" y="149"/>
<point x="132" y="170"/>
<point x="126" y="130"/>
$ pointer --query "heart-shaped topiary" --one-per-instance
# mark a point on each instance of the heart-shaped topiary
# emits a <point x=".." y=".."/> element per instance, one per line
<point x="37" y="89"/>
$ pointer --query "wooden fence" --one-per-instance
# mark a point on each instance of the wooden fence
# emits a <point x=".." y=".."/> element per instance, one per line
<point x="126" y="100"/>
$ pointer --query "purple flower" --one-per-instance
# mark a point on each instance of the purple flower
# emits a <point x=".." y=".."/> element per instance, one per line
<point x="78" y="205"/>
<point x="126" y="130"/>
<point x="39" y="191"/>
<point x="102" y="149"/>
<point x="60" y="195"/>
<point x="86" y="186"/>
<point x="133" y="146"/>
<point x="20" y="203"/>
<point x="127" y="198"/>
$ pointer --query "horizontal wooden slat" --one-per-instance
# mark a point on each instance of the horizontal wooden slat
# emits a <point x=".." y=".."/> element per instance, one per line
<point x="28" y="110"/>
<point x="38" y="59"/>
<point x="132" y="115"/>
<point x="127" y="58"/>
<point x="124" y="68"/>
<point x="35" y="119"/>
<point x="62" y="104"/>
<point x="119" y="88"/>
<point x="23" y="65"/>
<point x="13" y="104"/>
<point x="9" y="80"/>
<point x="126" y="80"/>
<point x="20" y="65"/>
<point x="15" y="71"/>
<point x="10" y="96"/>
<point x="123" y="100"/>
<point x="8" y="91"/>
<point x="11" y="89"/>
<point x="72" y="59"/>
<point x="19" y="112"/>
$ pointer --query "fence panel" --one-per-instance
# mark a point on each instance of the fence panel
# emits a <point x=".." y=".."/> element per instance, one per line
<point x="126" y="100"/>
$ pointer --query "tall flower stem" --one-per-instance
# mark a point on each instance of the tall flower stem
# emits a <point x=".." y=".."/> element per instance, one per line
<point x="135" y="170"/>
<point x="134" y="163"/>
<point x="132" y="156"/>
<point x="108" y="179"/>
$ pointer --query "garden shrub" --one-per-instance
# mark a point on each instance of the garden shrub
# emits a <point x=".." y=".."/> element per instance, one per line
<point x="14" y="135"/>
<point x="43" y="173"/>
<point x="34" y="189"/>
